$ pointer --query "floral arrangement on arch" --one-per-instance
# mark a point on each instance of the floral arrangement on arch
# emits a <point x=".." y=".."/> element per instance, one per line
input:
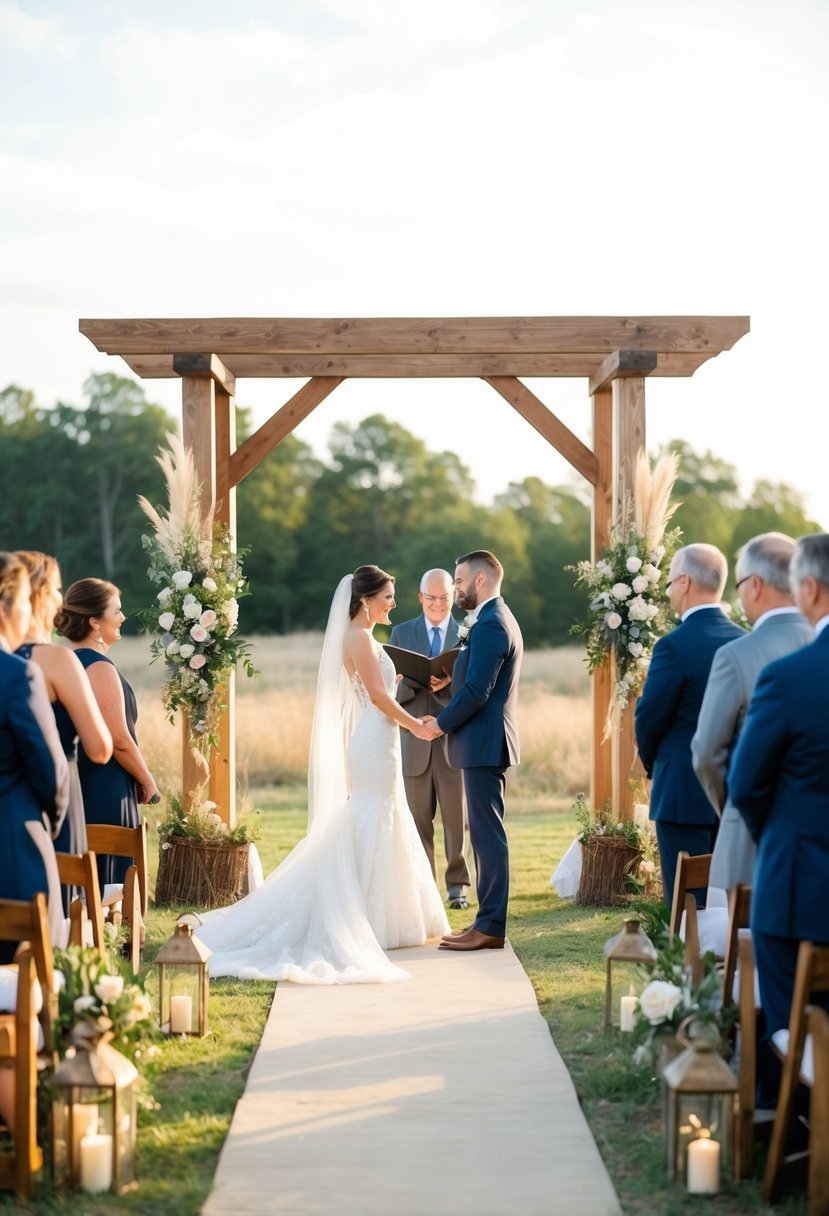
<point x="628" y="608"/>
<point x="201" y="581"/>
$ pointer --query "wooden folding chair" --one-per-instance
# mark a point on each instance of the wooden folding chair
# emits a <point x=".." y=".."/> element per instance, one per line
<point x="27" y="921"/>
<point x="18" y="1057"/>
<point x="81" y="870"/>
<point x="691" y="872"/>
<point x="739" y="916"/>
<point x="811" y="975"/>
<point x="132" y="843"/>
<point x="818" y="1022"/>
<point x="753" y="1125"/>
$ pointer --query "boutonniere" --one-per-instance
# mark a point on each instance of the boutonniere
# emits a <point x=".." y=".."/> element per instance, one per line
<point x="465" y="629"/>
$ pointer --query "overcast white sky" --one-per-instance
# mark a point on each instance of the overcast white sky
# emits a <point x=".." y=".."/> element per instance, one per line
<point x="432" y="158"/>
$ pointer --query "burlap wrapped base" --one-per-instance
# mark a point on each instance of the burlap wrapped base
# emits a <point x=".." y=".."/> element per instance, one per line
<point x="605" y="863"/>
<point x="200" y="873"/>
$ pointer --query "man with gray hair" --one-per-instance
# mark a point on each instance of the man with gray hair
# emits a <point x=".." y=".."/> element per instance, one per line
<point x="429" y="779"/>
<point x="779" y="781"/>
<point x="667" y="711"/>
<point x="762" y="583"/>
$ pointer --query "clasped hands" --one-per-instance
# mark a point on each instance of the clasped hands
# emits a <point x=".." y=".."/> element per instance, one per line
<point x="428" y="729"/>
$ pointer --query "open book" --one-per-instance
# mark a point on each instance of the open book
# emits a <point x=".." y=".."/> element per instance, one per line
<point x="420" y="667"/>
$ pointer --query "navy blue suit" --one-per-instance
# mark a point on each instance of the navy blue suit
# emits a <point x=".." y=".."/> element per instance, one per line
<point x="779" y="782"/>
<point x="666" y="719"/>
<point x="480" y="721"/>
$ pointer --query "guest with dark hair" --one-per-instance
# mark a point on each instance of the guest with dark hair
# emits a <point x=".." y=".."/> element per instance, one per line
<point x="34" y="776"/>
<point x="91" y="620"/>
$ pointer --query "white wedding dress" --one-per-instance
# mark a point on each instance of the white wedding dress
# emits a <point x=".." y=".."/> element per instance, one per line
<point x="358" y="884"/>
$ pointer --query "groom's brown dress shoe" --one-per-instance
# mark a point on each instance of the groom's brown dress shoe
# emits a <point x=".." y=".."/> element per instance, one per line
<point x="473" y="940"/>
<point x="456" y="933"/>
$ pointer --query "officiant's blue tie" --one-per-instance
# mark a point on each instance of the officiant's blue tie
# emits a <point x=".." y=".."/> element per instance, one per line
<point x="435" y="641"/>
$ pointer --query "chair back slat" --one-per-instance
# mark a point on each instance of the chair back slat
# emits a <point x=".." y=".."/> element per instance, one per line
<point x="81" y="870"/>
<point x="739" y="916"/>
<point x="691" y="872"/>
<point x="123" y="842"/>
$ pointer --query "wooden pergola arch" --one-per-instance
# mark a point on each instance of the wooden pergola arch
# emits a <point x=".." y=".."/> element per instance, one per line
<point x="614" y="354"/>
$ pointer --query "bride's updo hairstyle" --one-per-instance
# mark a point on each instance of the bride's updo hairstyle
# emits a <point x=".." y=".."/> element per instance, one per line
<point x="86" y="598"/>
<point x="366" y="582"/>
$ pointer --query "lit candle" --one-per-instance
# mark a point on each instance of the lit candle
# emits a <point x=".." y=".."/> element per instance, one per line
<point x="627" y="1011"/>
<point x="96" y="1163"/>
<point x="84" y="1123"/>
<point x="703" y="1167"/>
<point x="181" y="1014"/>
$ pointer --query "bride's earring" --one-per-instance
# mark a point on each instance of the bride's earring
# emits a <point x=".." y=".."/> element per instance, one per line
<point x="368" y="614"/>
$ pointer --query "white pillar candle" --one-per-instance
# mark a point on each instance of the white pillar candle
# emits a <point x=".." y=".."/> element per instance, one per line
<point x="627" y="1011"/>
<point x="96" y="1163"/>
<point x="181" y="1014"/>
<point x="703" y="1167"/>
<point x="84" y="1123"/>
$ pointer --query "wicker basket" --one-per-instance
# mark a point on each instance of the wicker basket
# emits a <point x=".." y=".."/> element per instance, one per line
<point x="605" y="863"/>
<point x="200" y="873"/>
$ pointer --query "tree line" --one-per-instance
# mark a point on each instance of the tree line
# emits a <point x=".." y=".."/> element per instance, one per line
<point x="71" y="475"/>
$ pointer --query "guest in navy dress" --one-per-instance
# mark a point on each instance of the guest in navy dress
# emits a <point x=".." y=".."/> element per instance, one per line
<point x="76" y="711"/>
<point x="34" y="776"/>
<point x="91" y="619"/>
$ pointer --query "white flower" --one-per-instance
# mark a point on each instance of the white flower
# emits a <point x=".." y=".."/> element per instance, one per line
<point x="140" y="1009"/>
<point x="209" y="805"/>
<point x="641" y="583"/>
<point x="635" y="648"/>
<point x="198" y="633"/>
<point x="613" y="620"/>
<point x="209" y="584"/>
<point x="82" y="1003"/>
<point x="208" y="618"/>
<point x="650" y="572"/>
<point x="659" y="1000"/>
<point x="620" y="591"/>
<point x="164" y="596"/>
<point x="647" y="868"/>
<point x="230" y="611"/>
<point x="197" y="661"/>
<point x="186" y="650"/>
<point x="109" y="988"/>
<point x="173" y="648"/>
<point x="192" y="610"/>
<point x="604" y="568"/>
<point x="658" y="554"/>
<point x="167" y="620"/>
<point x="182" y="579"/>
<point x="640" y="610"/>
<point x="633" y="564"/>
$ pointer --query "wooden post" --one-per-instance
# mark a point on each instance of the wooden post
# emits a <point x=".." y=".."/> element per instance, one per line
<point x="629" y="441"/>
<point x="601" y="775"/>
<point x="223" y="758"/>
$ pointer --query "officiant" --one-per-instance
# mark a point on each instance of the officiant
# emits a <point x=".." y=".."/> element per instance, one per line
<point x="430" y="781"/>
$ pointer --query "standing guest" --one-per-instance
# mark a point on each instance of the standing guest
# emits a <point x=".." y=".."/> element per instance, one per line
<point x="91" y="619"/>
<point x="34" y="777"/>
<point x="667" y="711"/>
<point x="76" y="711"/>
<point x="762" y="574"/>
<point x="480" y="721"/>
<point x="429" y="778"/>
<point x="779" y="781"/>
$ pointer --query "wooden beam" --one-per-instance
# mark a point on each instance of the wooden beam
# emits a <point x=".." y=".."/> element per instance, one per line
<point x="413" y="335"/>
<point x="601" y="773"/>
<point x="546" y="423"/>
<point x="202" y="366"/>
<point x="198" y="433"/>
<point x="279" y="425"/>
<point x="622" y="363"/>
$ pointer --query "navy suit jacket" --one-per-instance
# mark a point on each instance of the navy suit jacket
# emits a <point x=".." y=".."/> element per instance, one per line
<point x="779" y="781"/>
<point x="667" y="712"/>
<point x="480" y="719"/>
<point x="34" y="776"/>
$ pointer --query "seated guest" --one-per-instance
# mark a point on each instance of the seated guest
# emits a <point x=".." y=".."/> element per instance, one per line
<point x="34" y="776"/>
<point x="779" y="781"/>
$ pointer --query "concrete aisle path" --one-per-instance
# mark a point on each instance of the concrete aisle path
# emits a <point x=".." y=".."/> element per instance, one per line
<point x="443" y="1095"/>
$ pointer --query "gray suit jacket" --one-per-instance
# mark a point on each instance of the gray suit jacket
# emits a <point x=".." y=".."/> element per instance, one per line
<point x="733" y="675"/>
<point x="413" y="635"/>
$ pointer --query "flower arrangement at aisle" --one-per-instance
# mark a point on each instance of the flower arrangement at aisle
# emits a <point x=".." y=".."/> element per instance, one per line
<point x="201" y="823"/>
<point x="611" y="851"/>
<point x="201" y="581"/>
<point x="670" y="996"/>
<point x="628" y="608"/>
<point x="202" y="862"/>
<point x="95" y="992"/>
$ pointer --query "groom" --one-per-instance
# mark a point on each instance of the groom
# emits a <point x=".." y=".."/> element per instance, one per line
<point x="483" y="735"/>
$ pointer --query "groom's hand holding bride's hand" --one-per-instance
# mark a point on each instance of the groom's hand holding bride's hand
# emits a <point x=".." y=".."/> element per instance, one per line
<point x="431" y="724"/>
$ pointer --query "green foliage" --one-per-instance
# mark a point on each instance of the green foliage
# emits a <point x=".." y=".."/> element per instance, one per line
<point x="202" y="823"/>
<point x="603" y="823"/>
<point x="96" y="992"/>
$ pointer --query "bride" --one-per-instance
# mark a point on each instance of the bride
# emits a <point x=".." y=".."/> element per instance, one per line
<point x="359" y="882"/>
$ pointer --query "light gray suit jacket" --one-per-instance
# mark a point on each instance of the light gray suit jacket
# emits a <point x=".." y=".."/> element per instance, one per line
<point x="730" y="685"/>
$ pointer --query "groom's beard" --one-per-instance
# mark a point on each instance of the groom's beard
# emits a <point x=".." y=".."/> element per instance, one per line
<point x="467" y="601"/>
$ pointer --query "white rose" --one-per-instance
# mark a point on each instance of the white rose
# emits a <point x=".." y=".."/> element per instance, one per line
<point x="208" y="618"/>
<point x="635" y="648"/>
<point x="192" y="610"/>
<point x="604" y="568"/>
<point x="109" y="988"/>
<point x="620" y="591"/>
<point x="186" y="650"/>
<point x="165" y="596"/>
<point x="650" y="572"/>
<point x="167" y="620"/>
<point x="658" y="554"/>
<point x="659" y="1000"/>
<point x="613" y="620"/>
<point x="639" y="610"/>
<point x="633" y="564"/>
<point x="198" y="633"/>
<point x="641" y="583"/>
<point x="197" y="661"/>
<point x="182" y="579"/>
<point x="83" y="1003"/>
<point x="173" y="648"/>
<point x="209" y="584"/>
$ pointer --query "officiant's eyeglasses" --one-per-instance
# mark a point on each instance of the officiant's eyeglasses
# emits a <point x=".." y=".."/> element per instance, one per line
<point x="435" y="599"/>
